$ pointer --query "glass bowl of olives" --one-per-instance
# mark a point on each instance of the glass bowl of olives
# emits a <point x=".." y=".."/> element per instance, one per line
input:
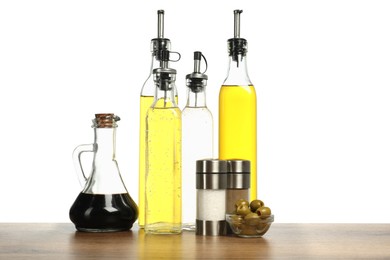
<point x="250" y="219"/>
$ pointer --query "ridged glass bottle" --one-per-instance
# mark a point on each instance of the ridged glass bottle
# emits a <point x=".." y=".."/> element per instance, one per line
<point x="197" y="138"/>
<point x="237" y="108"/>
<point x="163" y="158"/>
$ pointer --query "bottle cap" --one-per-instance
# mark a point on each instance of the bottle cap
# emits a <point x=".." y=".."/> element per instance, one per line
<point x="238" y="174"/>
<point x="211" y="174"/>
<point x="163" y="77"/>
<point x="197" y="80"/>
<point x="107" y="120"/>
<point x="237" y="45"/>
<point x="211" y="166"/>
<point x="160" y="43"/>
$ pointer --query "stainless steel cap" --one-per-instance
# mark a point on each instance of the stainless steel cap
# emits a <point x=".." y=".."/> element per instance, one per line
<point x="211" y="166"/>
<point x="238" y="176"/>
<point x="241" y="166"/>
<point x="211" y="174"/>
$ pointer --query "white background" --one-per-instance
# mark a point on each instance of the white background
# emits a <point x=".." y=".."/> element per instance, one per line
<point x="321" y="71"/>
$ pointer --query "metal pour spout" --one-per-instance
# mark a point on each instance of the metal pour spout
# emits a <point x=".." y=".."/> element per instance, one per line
<point x="237" y="23"/>
<point x="160" y="24"/>
<point x="197" y="58"/>
<point x="197" y="80"/>
<point x="237" y="46"/>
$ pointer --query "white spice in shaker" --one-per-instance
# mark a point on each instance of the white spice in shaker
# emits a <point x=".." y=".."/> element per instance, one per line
<point x="210" y="205"/>
<point x="211" y="181"/>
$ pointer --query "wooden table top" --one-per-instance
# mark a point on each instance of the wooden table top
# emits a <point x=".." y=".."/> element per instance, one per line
<point x="288" y="241"/>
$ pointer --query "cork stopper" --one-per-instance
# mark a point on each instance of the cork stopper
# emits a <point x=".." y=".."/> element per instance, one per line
<point x="107" y="120"/>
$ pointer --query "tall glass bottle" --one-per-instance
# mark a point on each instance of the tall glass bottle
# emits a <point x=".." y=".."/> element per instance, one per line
<point x="158" y="45"/>
<point x="163" y="158"/>
<point x="197" y="137"/>
<point x="237" y="108"/>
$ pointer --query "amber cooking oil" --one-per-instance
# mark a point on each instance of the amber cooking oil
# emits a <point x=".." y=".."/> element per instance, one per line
<point x="237" y="108"/>
<point x="237" y="127"/>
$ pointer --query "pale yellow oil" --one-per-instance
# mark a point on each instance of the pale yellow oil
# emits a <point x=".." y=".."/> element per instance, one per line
<point x="145" y="103"/>
<point x="163" y="169"/>
<point x="237" y="128"/>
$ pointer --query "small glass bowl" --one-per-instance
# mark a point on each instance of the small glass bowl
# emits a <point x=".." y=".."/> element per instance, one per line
<point x="254" y="227"/>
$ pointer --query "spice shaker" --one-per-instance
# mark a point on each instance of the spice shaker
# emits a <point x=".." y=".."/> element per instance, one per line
<point x="211" y="183"/>
<point x="238" y="182"/>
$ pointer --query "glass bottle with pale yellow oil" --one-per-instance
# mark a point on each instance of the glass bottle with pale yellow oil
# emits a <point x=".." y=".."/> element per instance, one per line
<point x="163" y="158"/>
<point x="158" y="46"/>
<point x="237" y="109"/>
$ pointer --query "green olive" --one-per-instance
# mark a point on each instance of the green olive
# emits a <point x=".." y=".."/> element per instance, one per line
<point x="248" y="230"/>
<point x="236" y="220"/>
<point x="243" y="210"/>
<point x="241" y="202"/>
<point x="255" y="204"/>
<point x="252" y="219"/>
<point x="251" y="216"/>
<point x="262" y="227"/>
<point x="263" y="212"/>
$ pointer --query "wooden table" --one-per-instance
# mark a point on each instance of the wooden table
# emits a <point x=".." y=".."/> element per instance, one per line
<point x="288" y="241"/>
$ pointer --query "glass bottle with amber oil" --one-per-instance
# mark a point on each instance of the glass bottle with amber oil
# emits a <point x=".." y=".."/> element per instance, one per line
<point x="158" y="45"/>
<point x="163" y="158"/>
<point x="237" y="108"/>
<point x="197" y="136"/>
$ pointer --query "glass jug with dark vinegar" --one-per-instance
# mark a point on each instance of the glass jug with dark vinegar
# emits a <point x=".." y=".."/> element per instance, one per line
<point x="104" y="205"/>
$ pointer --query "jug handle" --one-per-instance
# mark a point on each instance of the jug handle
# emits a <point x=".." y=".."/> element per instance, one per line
<point x="77" y="152"/>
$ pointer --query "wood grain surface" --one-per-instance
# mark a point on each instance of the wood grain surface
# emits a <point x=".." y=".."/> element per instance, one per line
<point x="283" y="241"/>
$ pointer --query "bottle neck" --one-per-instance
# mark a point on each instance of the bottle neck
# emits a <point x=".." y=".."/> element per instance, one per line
<point x="156" y="63"/>
<point x="157" y="47"/>
<point x="105" y="177"/>
<point x="148" y="86"/>
<point x="165" y="98"/>
<point x="105" y="145"/>
<point x="196" y="99"/>
<point x="237" y="71"/>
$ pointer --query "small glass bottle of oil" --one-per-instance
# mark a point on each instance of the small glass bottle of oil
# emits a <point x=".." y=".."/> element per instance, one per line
<point x="157" y="46"/>
<point x="237" y="108"/>
<point x="163" y="157"/>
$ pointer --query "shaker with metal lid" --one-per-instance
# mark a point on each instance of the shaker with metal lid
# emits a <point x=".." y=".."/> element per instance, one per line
<point x="238" y="183"/>
<point x="211" y="183"/>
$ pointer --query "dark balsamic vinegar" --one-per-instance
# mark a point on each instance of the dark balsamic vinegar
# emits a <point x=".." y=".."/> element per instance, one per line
<point x="103" y="212"/>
